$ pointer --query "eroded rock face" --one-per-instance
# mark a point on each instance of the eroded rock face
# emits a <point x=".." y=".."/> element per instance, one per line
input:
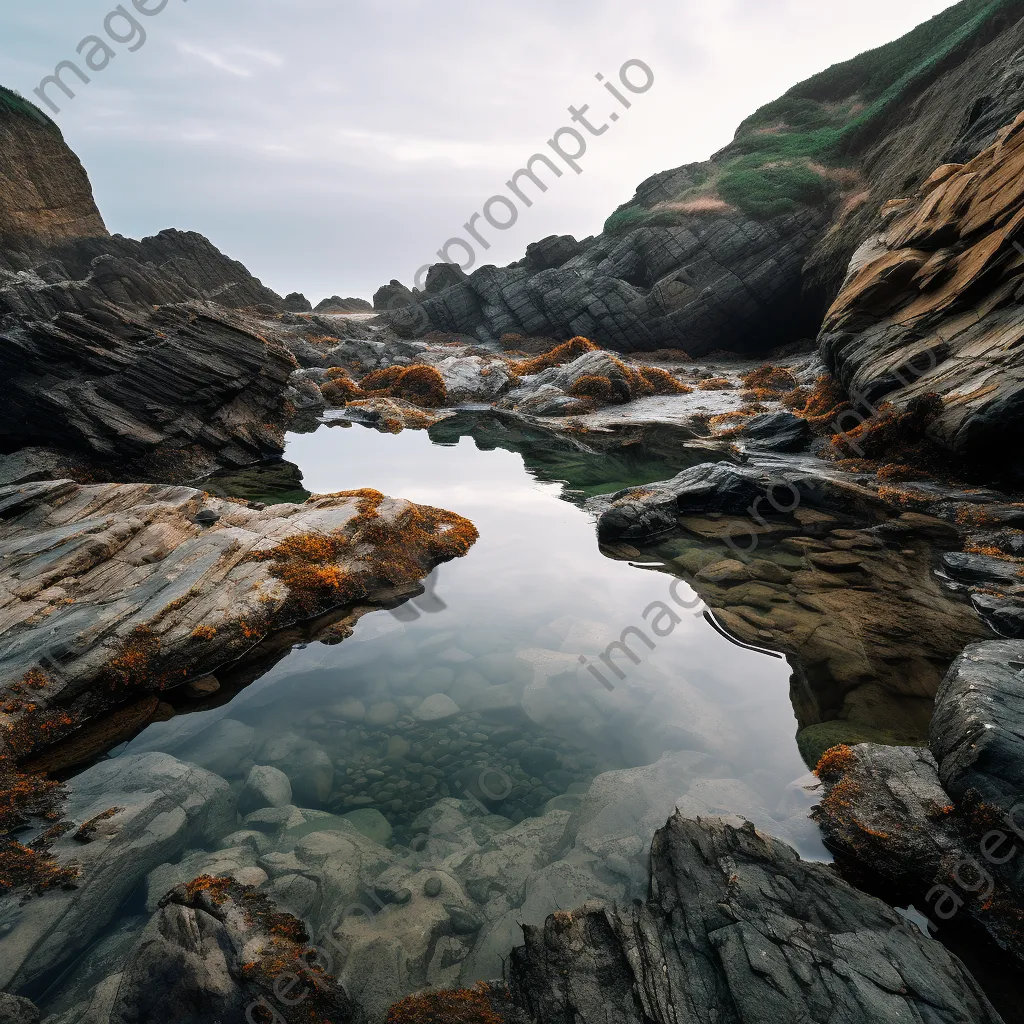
<point x="187" y="388"/>
<point x="738" y="929"/>
<point x="932" y="306"/>
<point x="45" y="195"/>
<point x="717" y="282"/>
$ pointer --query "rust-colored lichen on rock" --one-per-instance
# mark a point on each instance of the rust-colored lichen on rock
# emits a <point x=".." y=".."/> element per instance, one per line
<point x="216" y="890"/>
<point x="397" y="551"/>
<point x="893" y="435"/>
<point x="308" y="566"/>
<point x="454" y="1006"/>
<point x="591" y="386"/>
<point x="87" y="832"/>
<point x="835" y="762"/>
<point x="133" y="667"/>
<point x="24" y="798"/>
<point x="821" y="405"/>
<point x="769" y="381"/>
<point x="558" y="356"/>
<point x="420" y="385"/>
<point x="339" y="388"/>
<point x="661" y="382"/>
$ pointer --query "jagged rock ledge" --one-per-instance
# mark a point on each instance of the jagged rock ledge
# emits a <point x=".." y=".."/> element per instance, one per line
<point x="738" y="929"/>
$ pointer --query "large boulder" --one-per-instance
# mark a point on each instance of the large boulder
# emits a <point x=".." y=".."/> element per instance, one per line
<point x="738" y="929"/>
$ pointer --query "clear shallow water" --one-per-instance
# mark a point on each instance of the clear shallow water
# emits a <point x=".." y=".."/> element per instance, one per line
<point x="536" y="787"/>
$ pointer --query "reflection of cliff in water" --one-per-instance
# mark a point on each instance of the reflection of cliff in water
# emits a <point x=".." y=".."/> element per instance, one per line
<point x="270" y="483"/>
<point x="588" y="463"/>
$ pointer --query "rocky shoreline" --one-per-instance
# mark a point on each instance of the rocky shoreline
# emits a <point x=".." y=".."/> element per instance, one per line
<point x="856" y="511"/>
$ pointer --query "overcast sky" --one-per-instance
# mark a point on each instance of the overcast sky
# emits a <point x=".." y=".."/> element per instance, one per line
<point x="332" y="146"/>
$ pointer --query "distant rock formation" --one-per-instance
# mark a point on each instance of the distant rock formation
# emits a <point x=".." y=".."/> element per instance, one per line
<point x="746" y="251"/>
<point x="56" y="254"/>
<point x="336" y="304"/>
<point x="296" y="302"/>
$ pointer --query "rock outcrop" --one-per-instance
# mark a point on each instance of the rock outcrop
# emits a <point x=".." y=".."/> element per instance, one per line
<point x="113" y="593"/>
<point x="336" y="304"/>
<point x="171" y="267"/>
<point x="933" y="306"/>
<point x="737" y="929"/>
<point x="45" y="195"/>
<point x="171" y="393"/>
<point x="713" y="282"/>
<point x="745" y="251"/>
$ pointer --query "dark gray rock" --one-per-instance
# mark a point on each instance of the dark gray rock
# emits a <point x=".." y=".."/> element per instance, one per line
<point x="296" y="302"/>
<point x="336" y="304"/>
<point x="14" y="1010"/>
<point x="776" y="432"/>
<point x="719" y="282"/>
<point x="119" y="386"/>
<point x="1003" y="615"/>
<point x="552" y="252"/>
<point x="887" y="817"/>
<point x="442" y="276"/>
<point x="738" y="930"/>
<point x="978" y="727"/>
<point x="761" y="490"/>
<point x="171" y="267"/>
<point x="967" y="568"/>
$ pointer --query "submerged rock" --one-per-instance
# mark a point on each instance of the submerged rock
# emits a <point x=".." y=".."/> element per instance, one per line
<point x="161" y="808"/>
<point x="219" y="951"/>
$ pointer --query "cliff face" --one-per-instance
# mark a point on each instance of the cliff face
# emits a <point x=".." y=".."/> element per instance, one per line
<point x="933" y="306"/>
<point x="94" y="373"/>
<point x="746" y="251"/>
<point x="45" y="195"/>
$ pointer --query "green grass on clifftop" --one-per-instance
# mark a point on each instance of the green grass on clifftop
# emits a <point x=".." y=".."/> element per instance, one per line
<point x="780" y="157"/>
<point x="13" y="102"/>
